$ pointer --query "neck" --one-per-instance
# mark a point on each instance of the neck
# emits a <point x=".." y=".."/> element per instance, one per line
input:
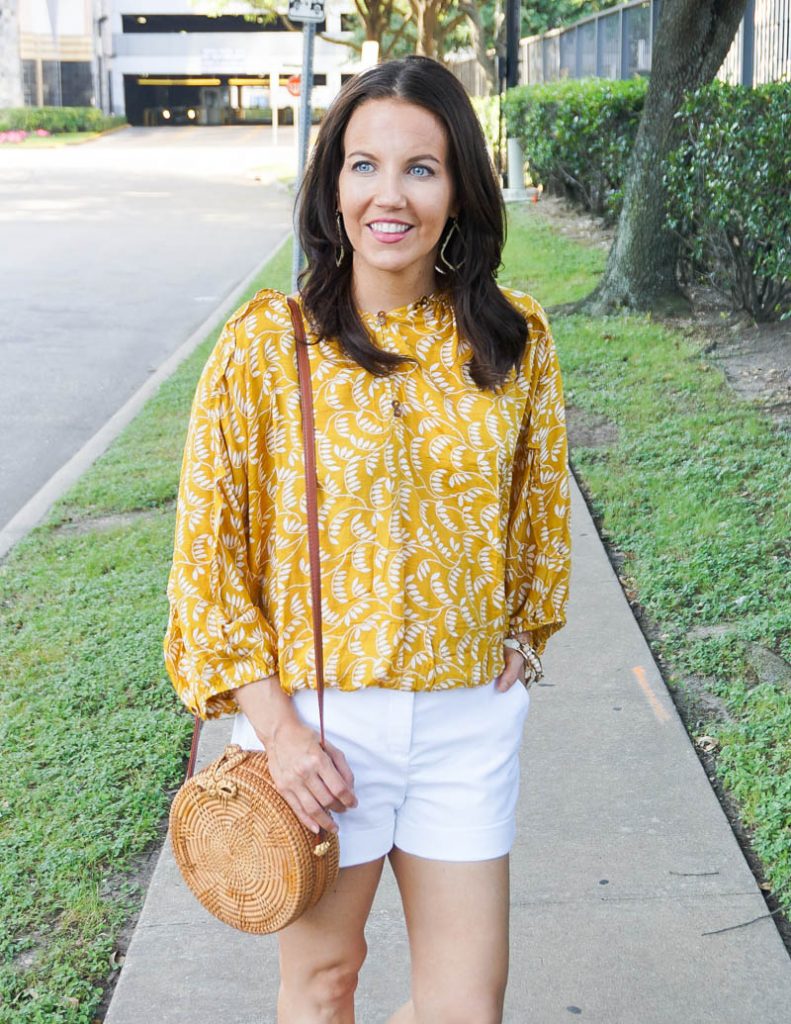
<point x="376" y="290"/>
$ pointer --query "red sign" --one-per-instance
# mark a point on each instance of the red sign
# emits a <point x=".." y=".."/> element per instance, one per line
<point x="293" y="85"/>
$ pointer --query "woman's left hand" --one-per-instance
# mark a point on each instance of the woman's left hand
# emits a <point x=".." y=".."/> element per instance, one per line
<point x="514" y="671"/>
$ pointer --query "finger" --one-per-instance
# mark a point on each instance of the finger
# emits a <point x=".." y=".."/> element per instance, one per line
<point x="295" y="804"/>
<point x="316" y="812"/>
<point x="341" y="783"/>
<point x="323" y="795"/>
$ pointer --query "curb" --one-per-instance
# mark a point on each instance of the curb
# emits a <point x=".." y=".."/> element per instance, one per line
<point x="34" y="510"/>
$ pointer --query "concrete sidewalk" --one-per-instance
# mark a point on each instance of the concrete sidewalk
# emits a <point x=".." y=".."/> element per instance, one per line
<point x="623" y="873"/>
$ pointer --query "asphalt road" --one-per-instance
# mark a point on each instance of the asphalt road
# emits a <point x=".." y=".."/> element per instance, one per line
<point x="111" y="253"/>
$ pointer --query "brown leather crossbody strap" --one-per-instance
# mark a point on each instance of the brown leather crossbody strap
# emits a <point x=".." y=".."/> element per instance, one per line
<point x="309" y="440"/>
<point x="311" y="480"/>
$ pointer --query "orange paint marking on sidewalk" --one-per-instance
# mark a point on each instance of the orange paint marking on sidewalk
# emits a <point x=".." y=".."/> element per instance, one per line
<point x="661" y="713"/>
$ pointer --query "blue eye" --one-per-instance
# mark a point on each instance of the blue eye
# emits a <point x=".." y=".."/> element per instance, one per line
<point x="426" y="172"/>
<point x="361" y="165"/>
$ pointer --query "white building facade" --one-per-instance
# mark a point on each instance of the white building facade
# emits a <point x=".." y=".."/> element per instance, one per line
<point x="172" y="61"/>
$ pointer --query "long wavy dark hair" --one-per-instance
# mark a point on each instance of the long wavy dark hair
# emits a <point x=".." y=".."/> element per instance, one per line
<point x="496" y="332"/>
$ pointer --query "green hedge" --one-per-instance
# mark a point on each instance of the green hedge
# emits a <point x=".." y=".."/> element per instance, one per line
<point x="57" y="119"/>
<point x="730" y="188"/>
<point x="577" y="135"/>
<point x="728" y="181"/>
<point x="488" y="110"/>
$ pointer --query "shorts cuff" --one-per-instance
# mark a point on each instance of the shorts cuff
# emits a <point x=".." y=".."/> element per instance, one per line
<point x="463" y="844"/>
<point x="362" y="847"/>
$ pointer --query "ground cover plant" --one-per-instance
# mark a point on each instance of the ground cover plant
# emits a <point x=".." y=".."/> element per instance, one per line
<point x="93" y="739"/>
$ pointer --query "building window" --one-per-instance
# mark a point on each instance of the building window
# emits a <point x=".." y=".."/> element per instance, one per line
<point x="50" y="72"/>
<point x="76" y="83"/>
<point x="29" y="83"/>
<point x="349" y="22"/>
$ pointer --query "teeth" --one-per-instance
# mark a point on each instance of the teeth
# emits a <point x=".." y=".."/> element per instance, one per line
<point x="390" y="229"/>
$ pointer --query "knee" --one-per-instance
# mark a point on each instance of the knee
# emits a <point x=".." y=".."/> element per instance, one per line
<point x="326" y="986"/>
<point x="332" y="985"/>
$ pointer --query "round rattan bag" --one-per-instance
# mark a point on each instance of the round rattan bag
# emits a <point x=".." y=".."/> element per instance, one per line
<point x="241" y="849"/>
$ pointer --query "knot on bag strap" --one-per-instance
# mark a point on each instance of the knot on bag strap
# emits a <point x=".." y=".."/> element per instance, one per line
<point x="216" y="782"/>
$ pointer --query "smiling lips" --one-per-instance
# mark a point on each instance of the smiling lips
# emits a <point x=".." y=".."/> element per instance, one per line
<point x="389" y="231"/>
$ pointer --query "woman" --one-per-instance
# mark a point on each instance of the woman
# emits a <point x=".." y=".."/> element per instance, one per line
<point x="443" y="507"/>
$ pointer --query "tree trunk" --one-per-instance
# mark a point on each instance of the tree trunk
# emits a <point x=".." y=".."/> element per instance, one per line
<point x="419" y="12"/>
<point x="431" y="32"/>
<point x="692" y="40"/>
<point x="473" y="12"/>
<point x="10" y="64"/>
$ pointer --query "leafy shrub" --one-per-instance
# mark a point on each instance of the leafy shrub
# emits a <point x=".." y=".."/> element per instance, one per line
<point x="729" y="188"/>
<point x="488" y="110"/>
<point x="577" y="136"/>
<point x="57" y="119"/>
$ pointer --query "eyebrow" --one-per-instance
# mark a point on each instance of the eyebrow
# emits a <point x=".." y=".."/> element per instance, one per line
<point x="412" y="159"/>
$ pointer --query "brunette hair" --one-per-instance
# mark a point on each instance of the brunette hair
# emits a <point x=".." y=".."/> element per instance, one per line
<point x="495" y="330"/>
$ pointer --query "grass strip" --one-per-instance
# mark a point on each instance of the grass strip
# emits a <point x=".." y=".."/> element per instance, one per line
<point x="695" y="495"/>
<point x="93" y="736"/>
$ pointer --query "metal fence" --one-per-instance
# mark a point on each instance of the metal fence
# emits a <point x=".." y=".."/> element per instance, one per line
<point x="617" y="43"/>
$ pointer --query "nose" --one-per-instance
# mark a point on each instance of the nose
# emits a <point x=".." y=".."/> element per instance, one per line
<point x="389" y="191"/>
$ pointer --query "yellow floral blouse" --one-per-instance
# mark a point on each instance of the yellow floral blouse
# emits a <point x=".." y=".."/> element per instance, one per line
<point x="443" y="510"/>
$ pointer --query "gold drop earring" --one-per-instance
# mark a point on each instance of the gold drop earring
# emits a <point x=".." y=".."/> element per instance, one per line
<point x="340" y="252"/>
<point x="442" y="257"/>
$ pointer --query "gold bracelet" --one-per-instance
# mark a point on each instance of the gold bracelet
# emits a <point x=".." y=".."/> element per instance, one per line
<point x="533" y="667"/>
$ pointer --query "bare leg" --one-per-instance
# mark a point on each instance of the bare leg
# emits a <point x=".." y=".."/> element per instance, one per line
<point x="457" y="920"/>
<point x="404" y="1014"/>
<point x="322" y="952"/>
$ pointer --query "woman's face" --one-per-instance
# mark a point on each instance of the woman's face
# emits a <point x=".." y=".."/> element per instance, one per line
<point x="395" y="191"/>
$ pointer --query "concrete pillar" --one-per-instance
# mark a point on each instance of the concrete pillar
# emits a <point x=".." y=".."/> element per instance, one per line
<point x="10" y="63"/>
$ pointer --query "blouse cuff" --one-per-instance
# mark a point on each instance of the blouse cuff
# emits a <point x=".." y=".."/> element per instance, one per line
<point x="204" y="681"/>
<point x="537" y="635"/>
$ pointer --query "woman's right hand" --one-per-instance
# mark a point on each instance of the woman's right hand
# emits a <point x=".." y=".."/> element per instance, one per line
<point x="313" y="781"/>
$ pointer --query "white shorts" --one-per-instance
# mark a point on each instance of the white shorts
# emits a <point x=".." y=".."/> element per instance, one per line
<point x="436" y="773"/>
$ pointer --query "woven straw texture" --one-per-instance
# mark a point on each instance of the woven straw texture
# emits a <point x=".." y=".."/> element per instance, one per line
<point x="242" y="850"/>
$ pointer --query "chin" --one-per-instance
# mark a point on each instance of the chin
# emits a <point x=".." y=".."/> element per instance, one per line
<point x="392" y="262"/>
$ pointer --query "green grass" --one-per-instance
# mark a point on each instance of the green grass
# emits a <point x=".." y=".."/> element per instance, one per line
<point x="94" y="740"/>
<point x="93" y="737"/>
<point x="696" y="494"/>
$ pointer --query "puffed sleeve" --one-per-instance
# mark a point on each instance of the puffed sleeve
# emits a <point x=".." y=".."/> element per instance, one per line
<point x="217" y="637"/>
<point x="538" y="549"/>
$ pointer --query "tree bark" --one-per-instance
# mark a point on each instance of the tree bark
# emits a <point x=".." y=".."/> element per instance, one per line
<point x="431" y="33"/>
<point x="692" y="40"/>
<point x="487" y="63"/>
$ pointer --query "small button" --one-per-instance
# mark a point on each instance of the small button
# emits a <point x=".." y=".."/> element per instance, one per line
<point x="397" y="407"/>
<point x="381" y="316"/>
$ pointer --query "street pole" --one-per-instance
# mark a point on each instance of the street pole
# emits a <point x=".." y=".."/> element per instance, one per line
<point x="513" y="25"/>
<point x="306" y="85"/>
